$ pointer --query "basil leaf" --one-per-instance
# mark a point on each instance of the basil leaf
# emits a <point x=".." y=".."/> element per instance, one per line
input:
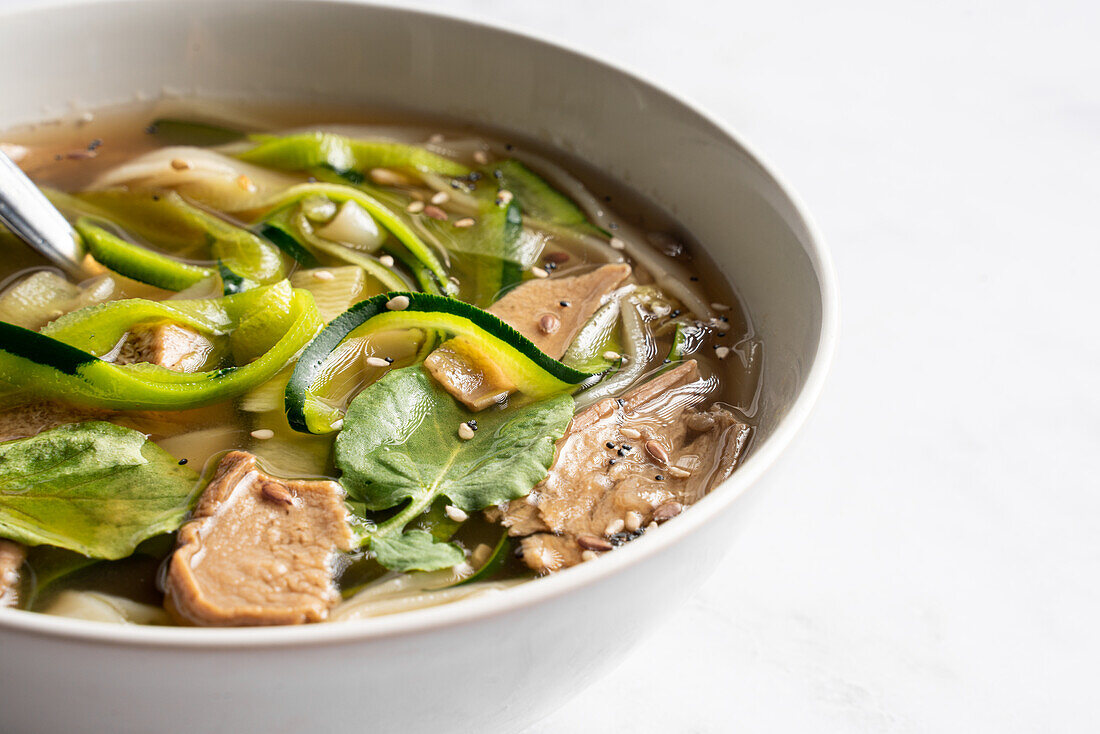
<point x="400" y="444"/>
<point x="400" y="441"/>
<point x="415" y="550"/>
<point x="94" y="488"/>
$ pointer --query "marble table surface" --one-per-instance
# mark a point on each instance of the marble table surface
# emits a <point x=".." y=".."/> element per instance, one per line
<point x="930" y="561"/>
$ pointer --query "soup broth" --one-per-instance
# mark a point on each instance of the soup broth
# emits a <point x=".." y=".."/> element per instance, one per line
<point x="329" y="364"/>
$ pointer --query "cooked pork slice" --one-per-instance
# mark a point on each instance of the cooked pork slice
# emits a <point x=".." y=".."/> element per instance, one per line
<point x="547" y="311"/>
<point x="12" y="555"/>
<point x="623" y="464"/>
<point x="258" y="550"/>
<point x="31" y="419"/>
<point x="177" y="347"/>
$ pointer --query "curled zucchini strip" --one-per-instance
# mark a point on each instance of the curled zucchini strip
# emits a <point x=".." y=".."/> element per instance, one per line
<point x="339" y="193"/>
<point x="46" y="366"/>
<point x="303" y="151"/>
<point x="536" y="374"/>
<point x="137" y="262"/>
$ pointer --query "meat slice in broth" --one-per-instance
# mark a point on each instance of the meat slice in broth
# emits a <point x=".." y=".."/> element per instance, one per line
<point x="624" y="464"/>
<point x="259" y="550"/>
<point x="177" y="347"/>
<point x="12" y="555"/>
<point x="30" y="419"/>
<point x="549" y="312"/>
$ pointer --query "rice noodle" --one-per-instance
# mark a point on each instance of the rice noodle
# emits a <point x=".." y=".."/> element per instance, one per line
<point x="209" y="178"/>
<point x="406" y="592"/>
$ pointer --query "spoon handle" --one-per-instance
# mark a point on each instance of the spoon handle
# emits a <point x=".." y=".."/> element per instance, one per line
<point x="31" y="216"/>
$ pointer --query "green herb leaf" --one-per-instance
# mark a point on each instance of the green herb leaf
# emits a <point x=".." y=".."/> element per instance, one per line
<point x="94" y="488"/>
<point x="415" y="550"/>
<point x="400" y="444"/>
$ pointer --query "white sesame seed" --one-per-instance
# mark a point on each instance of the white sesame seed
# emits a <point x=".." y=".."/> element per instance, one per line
<point x="720" y="307"/>
<point x="532" y="499"/>
<point x="465" y="432"/>
<point x="465" y="222"/>
<point x="338" y="424"/>
<point x="611" y="356"/>
<point x="630" y="432"/>
<point x="323" y="275"/>
<point x="377" y="362"/>
<point x="504" y="197"/>
<point x="435" y="213"/>
<point x="678" y="472"/>
<point x="455" y="513"/>
<point x="590" y="555"/>
<point x="481" y="157"/>
<point x="437" y="138"/>
<point x="539" y="272"/>
<point x="651" y="526"/>
<point x="615" y="526"/>
<point x="633" y="521"/>
<point x="722" y="352"/>
<point x="85" y="118"/>
<point x="617" y="244"/>
<point x="386" y="177"/>
<point x="180" y="164"/>
<point x="398" y="303"/>
<point x="415" y="207"/>
<point x="440" y="197"/>
<point x="661" y="309"/>
<point x="386" y="260"/>
<point x="463" y="569"/>
<point x="263" y="434"/>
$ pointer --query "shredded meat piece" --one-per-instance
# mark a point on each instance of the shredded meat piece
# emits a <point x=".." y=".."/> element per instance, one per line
<point x="12" y="555"/>
<point x="549" y="312"/>
<point x="604" y="488"/>
<point x="258" y="550"/>
<point x="177" y="347"/>
<point x="31" y="419"/>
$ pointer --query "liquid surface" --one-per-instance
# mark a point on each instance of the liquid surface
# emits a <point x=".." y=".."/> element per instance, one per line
<point x="667" y="271"/>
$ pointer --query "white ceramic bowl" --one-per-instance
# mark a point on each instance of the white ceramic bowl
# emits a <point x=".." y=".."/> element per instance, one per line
<point x="492" y="664"/>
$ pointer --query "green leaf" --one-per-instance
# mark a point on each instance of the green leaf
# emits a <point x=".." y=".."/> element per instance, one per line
<point x="400" y="441"/>
<point x="94" y="488"/>
<point x="400" y="445"/>
<point x="415" y="550"/>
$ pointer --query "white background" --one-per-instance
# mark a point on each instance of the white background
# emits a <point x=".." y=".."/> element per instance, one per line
<point x="930" y="561"/>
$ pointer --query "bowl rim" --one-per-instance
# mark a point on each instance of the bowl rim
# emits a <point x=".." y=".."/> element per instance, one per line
<point x="468" y="611"/>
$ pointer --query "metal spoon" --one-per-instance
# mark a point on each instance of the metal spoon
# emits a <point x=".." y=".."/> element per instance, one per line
<point x="31" y="216"/>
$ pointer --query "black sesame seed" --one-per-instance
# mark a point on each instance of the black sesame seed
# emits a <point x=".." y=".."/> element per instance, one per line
<point x="659" y="477"/>
<point x="620" y="401"/>
<point x="611" y="462"/>
<point x="388" y="359"/>
<point x="627" y="447"/>
<point x="455" y="184"/>
<point x="667" y="360"/>
<point x="498" y="174"/>
<point x="151" y="129"/>
<point x="612" y="225"/>
<point x="607" y="198"/>
<point x="609" y="445"/>
<point x="156" y="197"/>
<point x="475" y="176"/>
<point x="721" y="333"/>
<point x="694" y="279"/>
<point x="95" y="144"/>
<point x="508" y="146"/>
<point x="182" y="462"/>
<point x="674" y="314"/>
<point x="621" y="452"/>
<point x="563" y="304"/>
<point x="472" y="424"/>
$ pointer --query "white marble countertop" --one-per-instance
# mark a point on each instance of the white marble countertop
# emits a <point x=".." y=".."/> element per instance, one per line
<point x="930" y="561"/>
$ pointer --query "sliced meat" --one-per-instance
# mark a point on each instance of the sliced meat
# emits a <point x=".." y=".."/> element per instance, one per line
<point x="32" y="418"/>
<point x="177" y="347"/>
<point x="547" y="311"/>
<point x="258" y="550"/>
<point x="624" y="464"/>
<point x="12" y="555"/>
